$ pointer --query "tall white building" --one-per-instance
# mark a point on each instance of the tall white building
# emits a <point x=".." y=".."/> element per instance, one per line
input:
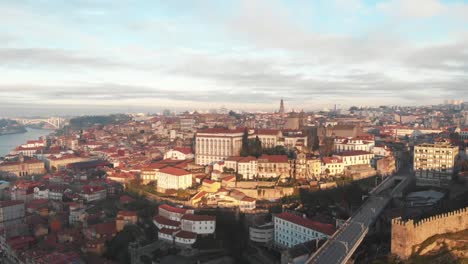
<point x="434" y="163"/>
<point x="215" y="144"/>
<point x="291" y="230"/>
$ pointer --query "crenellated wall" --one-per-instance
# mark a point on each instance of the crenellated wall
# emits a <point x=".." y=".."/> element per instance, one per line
<point x="408" y="234"/>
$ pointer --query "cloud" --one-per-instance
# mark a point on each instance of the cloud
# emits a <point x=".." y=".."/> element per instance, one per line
<point x="425" y="9"/>
<point x="52" y="57"/>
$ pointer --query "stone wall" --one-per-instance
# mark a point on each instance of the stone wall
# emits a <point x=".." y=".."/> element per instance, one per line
<point x="406" y="235"/>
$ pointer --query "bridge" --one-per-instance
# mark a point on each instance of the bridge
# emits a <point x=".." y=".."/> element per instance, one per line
<point x="341" y="245"/>
<point x="55" y="122"/>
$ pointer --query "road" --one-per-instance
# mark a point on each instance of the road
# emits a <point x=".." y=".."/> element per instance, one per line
<point x="340" y="247"/>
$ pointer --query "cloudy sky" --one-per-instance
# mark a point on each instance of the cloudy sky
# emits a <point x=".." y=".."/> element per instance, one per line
<point x="85" y="56"/>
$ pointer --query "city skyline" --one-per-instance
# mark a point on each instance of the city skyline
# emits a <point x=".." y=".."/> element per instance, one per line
<point x="84" y="57"/>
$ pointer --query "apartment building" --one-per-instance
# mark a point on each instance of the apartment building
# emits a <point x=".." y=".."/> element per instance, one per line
<point x="434" y="163"/>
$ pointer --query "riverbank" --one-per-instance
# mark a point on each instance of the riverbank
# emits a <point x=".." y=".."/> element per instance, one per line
<point x="10" y="141"/>
<point x="11" y="131"/>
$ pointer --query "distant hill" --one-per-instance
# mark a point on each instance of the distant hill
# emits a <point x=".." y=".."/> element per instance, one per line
<point x="8" y="126"/>
<point x="88" y="121"/>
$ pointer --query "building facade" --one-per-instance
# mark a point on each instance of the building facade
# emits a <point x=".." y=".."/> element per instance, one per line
<point x="199" y="224"/>
<point x="434" y="163"/>
<point x="291" y="230"/>
<point x="173" y="178"/>
<point x="212" y="145"/>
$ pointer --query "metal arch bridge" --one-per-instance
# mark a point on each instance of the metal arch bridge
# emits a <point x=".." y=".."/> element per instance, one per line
<point x="56" y="122"/>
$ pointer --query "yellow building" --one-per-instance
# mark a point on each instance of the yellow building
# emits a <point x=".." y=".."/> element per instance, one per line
<point x="23" y="167"/>
<point x="210" y="186"/>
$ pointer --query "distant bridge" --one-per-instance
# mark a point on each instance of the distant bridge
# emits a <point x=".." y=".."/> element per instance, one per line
<point x="55" y="122"/>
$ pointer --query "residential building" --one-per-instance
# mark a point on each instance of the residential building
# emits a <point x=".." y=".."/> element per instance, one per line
<point x="125" y="218"/>
<point x="173" y="213"/>
<point x="356" y="157"/>
<point x="199" y="224"/>
<point x="94" y="193"/>
<point x="434" y="163"/>
<point x="247" y="167"/>
<point x="272" y="166"/>
<point x="332" y="166"/>
<point x="342" y="144"/>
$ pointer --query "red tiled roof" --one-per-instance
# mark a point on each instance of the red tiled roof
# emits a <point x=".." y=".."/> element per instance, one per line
<point x="168" y="231"/>
<point x="331" y="160"/>
<point x="199" y="195"/>
<point x="164" y="221"/>
<point x="207" y="181"/>
<point x="193" y="217"/>
<point x="247" y="159"/>
<point x="8" y="203"/>
<point x="173" y="209"/>
<point x="126" y="199"/>
<point x="184" y="150"/>
<point x="248" y="199"/>
<point x="126" y="213"/>
<point x="174" y="171"/>
<point x="327" y="229"/>
<point x="274" y="158"/>
<point x="105" y="228"/>
<point x="221" y="131"/>
<point x="186" y="234"/>
<point x="234" y="158"/>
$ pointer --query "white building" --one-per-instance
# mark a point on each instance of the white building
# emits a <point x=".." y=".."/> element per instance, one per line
<point x="173" y="178"/>
<point x="291" y="230"/>
<point x="179" y="154"/>
<point x="41" y="192"/>
<point x="199" y="224"/>
<point x="94" y="193"/>
<point x="185" y="238"/>
<point x="356" y="157"/>
<point x="216" y="144"/>
<point x="382" y="151"/>
<point x="332" y="166"/>
<point x="173" y="213"/>
<point x="11" y="210"/>
<point x="352" y="144"/>
<point x="269" y="137"/>
<point x="162" y="222"/>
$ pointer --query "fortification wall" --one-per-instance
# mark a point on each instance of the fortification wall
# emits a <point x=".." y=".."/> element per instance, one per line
<point x="408" y="234"/>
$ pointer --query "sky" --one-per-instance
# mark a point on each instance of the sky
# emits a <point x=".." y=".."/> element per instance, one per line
<point x="100" y="56"/>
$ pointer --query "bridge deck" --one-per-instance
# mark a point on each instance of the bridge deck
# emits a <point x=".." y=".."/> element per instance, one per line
<point x="340" y="247"/>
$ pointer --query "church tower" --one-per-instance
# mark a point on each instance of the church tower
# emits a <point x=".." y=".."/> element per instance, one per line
<point x="281" y="110"/>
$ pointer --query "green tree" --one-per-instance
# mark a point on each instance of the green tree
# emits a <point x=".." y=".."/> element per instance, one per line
<point x="245" y="144"/>
<point x="316" y="143"/>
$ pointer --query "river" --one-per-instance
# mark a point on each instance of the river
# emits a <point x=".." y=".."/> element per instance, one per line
<point x="9" y="142"/>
